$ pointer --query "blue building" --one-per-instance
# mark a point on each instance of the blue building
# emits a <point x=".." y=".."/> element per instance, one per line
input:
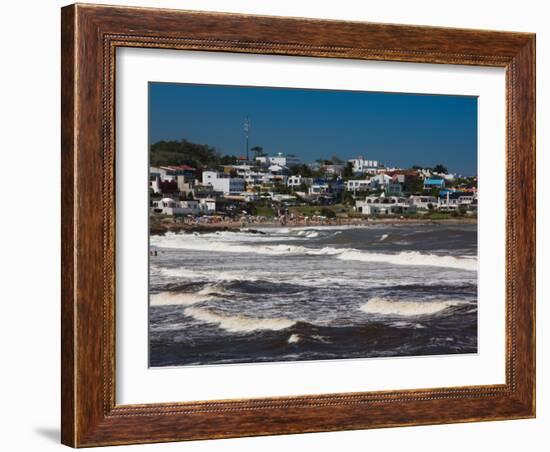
<point x="430" y="183"/>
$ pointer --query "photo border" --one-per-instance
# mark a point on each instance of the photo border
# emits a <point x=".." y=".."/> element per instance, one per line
<point x="90" y="36"/>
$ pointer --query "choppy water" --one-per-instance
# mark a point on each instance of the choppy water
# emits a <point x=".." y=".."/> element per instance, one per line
<point x="313" y="293"/>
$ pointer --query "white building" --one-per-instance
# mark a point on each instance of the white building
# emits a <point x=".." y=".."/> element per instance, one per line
<point x="333" y="170"/>
<point x="169" y="206"/>
<point x="319" y="187"/>
<point x="223" y="182"/>
<point x="154" y="182"/>
<point x="161" y="176"/>
<point x="448" y="177"/>
<point x="277" y="169"/>
<point x="207" y="205"/>
<point x="249" y="196"/>
<point x="361" y="165"/>
<point x="358" y="184"/>
<point x="279" y="159"/>
<point x="424" y="173"/>
<point x="423" y="202"/>
<point x="179" y="182"/>
<point x="282" y="197"/>
<point x="296" y="181"/>
<point x="380" y="181"/>
<point x="381" y="205"/>
<point x="466" y="200"/>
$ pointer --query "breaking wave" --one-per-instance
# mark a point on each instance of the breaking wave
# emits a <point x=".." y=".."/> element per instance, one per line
<point x="383" y="306"/>
<point x="175" y="299"/>
<point x="411" y="258"/>
<point x="294" y="338"/>
<point x="237" y="323"/>
<point x="220" y="276"/>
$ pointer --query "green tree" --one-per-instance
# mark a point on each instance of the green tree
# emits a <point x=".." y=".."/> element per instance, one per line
<point x="228" y="160"/>
<point x="414" y="185"/>
<point x="336" y="160"/>
<point x="348" y="170"/>
<point x="258" y="150"/>
<point x="183" y="152"/>
<point x="435" y="192"/>
<point x="300" y="170"/>
<point x="326" y="212"/>
<point x="439" y="168"/>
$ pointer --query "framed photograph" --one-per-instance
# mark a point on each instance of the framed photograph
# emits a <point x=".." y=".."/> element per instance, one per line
<point x="282" y="225"/>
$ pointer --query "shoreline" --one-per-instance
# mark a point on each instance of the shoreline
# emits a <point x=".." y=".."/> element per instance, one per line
<point x="157" y="227"/>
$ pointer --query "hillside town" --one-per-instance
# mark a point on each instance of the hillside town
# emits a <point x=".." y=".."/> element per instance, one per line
<point x="280" y="188"/>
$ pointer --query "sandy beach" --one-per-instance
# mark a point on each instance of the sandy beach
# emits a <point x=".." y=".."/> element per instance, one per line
<point x="159" y="226"/>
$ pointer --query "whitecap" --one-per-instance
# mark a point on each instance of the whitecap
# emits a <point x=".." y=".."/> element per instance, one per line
<point x="294" y="338"/>
<point x="176" y="298"/>
<point x="412" y="258"/>
<point x="238" y="323"/>
<point x="384" y="306"/>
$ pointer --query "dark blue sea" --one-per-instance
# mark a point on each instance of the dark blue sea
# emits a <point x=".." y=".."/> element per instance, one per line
<point x="313" y="293"/>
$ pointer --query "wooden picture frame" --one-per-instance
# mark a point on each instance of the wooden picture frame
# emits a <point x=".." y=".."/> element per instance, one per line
<point x="90" y="36"/>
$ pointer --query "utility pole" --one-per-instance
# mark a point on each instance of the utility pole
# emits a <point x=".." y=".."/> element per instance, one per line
<point x="246" y="128"/>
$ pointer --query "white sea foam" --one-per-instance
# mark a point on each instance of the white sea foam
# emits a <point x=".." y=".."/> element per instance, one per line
<point x="237" y="323"/>
<point x="402" y="324"/>
<point x="179" y="241"/>
<point x="174" y="298"/>
<point x="214" y="275"/>
<point x="413" y="258"/>
<point x="297" y="229"/>
<point x="211" y="289"/>
<point x="294" y="338"/>
<point x="384" y="306"/>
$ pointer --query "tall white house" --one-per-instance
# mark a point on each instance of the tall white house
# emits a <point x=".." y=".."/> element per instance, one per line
<point x="223" y="182"/>
<point x="279" y="159"/>
<point x="362" y="165"/>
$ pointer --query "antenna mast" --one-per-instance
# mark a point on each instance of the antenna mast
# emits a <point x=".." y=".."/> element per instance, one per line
<point x="246" y="128"/>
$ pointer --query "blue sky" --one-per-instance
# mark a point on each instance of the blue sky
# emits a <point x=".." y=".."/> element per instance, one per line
<point x="396" y="129"/>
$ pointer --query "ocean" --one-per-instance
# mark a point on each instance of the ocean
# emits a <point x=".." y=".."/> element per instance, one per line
<point x="310" y="293"/>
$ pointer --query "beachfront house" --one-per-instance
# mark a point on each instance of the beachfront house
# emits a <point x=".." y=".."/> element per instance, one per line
<point x="450" y="200"/>
<point x="423" y="202"/>
<point x="223" y="182"/>
<point x="170" y="206"/>
<point x="384" y="205"/>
